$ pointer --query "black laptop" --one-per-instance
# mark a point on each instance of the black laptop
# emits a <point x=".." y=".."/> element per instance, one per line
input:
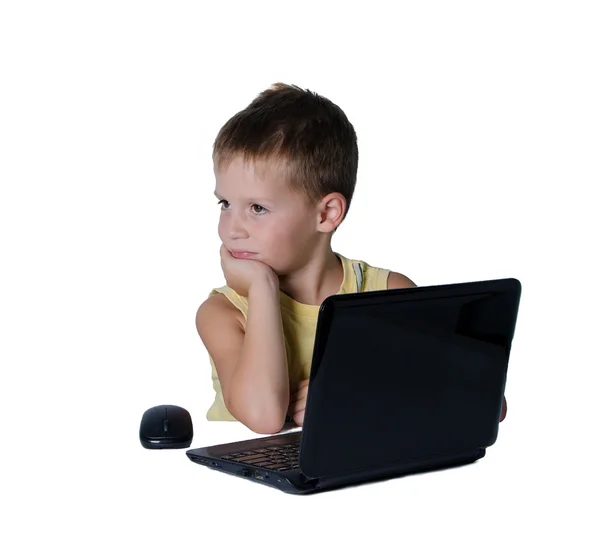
<point x="402" y="381"/>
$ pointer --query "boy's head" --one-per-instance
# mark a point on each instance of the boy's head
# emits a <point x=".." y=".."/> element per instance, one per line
<point x="285" y="172"/>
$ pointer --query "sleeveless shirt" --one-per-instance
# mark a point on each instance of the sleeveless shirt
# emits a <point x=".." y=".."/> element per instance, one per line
<point x="299" y="325"/>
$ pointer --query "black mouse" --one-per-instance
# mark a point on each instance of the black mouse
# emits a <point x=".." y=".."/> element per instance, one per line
<point x="166" y="427"/>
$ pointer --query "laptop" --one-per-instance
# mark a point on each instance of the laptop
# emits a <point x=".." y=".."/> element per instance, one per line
<point x="402" y="381"/>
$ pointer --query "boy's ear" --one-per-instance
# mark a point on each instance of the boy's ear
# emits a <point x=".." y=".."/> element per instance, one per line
<point x="330" y="212"/>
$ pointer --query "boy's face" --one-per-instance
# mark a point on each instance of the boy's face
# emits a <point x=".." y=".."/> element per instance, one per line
<point x="261" y="214"/>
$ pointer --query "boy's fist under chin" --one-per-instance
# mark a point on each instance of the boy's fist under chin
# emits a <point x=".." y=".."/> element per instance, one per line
<point x="240" y="274"/>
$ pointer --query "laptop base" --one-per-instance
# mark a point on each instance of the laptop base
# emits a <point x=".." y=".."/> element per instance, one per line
<point x="295" y="482"/>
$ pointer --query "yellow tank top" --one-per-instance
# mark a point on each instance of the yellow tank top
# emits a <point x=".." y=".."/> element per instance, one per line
<point x="299" y="324"/>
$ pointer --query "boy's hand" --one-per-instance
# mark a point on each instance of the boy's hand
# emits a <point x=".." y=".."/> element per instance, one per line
<point x="298" y="402"/>
<point x="240" y="274"/>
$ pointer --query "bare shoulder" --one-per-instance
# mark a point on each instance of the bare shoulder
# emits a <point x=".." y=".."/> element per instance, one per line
<point x="217" y="307"/>
<point x="398" y="280"/>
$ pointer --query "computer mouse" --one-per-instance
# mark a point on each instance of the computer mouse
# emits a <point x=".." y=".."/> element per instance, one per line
<point x="166" y="427"/>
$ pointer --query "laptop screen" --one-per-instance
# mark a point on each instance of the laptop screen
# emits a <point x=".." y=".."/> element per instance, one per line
<point x="407" y="374"/>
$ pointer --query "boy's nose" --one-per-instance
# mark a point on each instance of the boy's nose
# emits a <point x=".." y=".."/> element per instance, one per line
<point x="237" y="229"/>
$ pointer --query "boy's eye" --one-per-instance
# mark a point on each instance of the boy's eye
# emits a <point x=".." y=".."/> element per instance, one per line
<point x="257" y="209"/>
<point x="260" y="210"/>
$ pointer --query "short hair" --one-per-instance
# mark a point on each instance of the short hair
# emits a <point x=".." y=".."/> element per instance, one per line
<point x="306" y="136"/>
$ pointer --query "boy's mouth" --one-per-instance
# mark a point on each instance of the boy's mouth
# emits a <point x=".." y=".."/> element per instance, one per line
<point x="243" y="254"/>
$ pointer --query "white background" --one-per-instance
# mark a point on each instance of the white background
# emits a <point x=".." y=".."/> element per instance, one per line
<point x="478" y="127"/>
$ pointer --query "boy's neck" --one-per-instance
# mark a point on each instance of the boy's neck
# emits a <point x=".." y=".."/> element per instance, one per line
<point x="321" y="276"/>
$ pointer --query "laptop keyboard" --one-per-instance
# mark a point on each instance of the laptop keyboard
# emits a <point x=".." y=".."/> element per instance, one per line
<point x="273" y="457"/>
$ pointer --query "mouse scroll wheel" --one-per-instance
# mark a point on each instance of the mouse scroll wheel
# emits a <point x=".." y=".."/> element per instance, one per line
<point x="166" y="425"/>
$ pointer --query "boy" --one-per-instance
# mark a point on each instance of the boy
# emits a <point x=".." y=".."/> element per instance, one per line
<point x="285" y="170"/>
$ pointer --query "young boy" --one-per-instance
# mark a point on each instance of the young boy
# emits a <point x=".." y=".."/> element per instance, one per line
<point x="285" y="171"/>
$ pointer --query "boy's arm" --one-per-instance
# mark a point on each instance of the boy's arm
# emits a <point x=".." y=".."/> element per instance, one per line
<point x="251" y="365"/>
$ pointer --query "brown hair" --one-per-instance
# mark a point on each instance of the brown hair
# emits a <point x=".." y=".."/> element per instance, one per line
<point x="303" y="134"/>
